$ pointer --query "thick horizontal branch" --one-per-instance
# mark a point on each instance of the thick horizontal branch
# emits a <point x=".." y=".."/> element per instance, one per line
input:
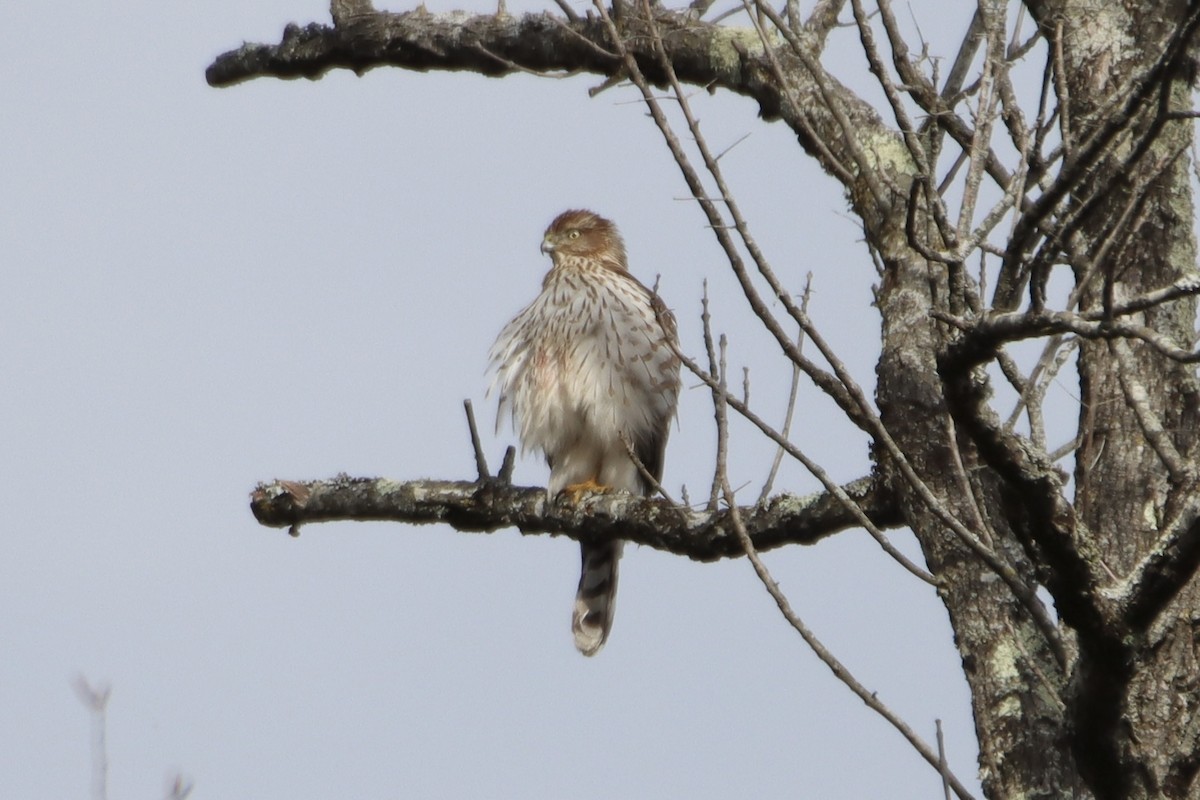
<point x="487" y="44"/>
<point x="701" y="53"/>
<point x="490" y="506"/>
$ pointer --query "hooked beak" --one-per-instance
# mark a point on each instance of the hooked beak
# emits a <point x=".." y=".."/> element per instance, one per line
<point x="547" y="246"/>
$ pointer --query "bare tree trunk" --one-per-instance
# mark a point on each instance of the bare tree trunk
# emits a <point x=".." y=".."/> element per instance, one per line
<point x="1134" y="703"/>
<point x="1010" y="662"/>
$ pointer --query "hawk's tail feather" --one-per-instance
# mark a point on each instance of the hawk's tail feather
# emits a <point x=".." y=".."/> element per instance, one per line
<point x="596" y="598"/>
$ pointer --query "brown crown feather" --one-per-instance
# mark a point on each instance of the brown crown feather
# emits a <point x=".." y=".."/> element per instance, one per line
<point x="585" y="234"/>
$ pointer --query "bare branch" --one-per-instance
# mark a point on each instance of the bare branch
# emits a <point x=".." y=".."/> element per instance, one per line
<point x="859" y="409"/>
<point x="507" y="465"/>
<point x="831" y="122"/>
<point x="985" y="116"/>
<point x="714" y="368"/>
<point x="1015" y="326"/>
<point x="491" y="506"/>
<point x="822" y="20"/>
<point x="912" y="142"/>
<point x="1185" y="286"/>
<point x="647" y="476"/>
<point x="480" y="460"/>
<point x="1040" y="379"/>
<point x="1060" y="88"/>
<point x="871" y="699"/>
<point x="569" y="12"/>
<point x="832" y="162"/>
<point x="962" y="62"/>
<point x="833" y="99"/>
<point x="943" y="766"/>
<point x="786" y="430"/>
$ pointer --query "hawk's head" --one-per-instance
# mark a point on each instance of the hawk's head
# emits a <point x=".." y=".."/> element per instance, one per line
<point x="582" y="234"/>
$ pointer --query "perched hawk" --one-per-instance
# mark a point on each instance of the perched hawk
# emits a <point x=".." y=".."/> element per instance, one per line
<point x="585" y="368"/>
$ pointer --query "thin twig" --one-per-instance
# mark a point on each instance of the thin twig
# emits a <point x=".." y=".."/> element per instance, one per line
<point x="507" y="465"/>
<point x="908" y="130"/>
<point x="866" y="168"/>
<point x="919" y="89"/>
<point x="481" y="466"/>
<point x="985" y="116"/>
<point x="595" y="48"/>
<point x="837" y="169"/>
<point x="1065" y="450"/>
<point x="738" y="141"/>
<point x="1040" y="388"/>
<point x="515" y="67"/>
<point x="646" y="474"/>
<point x="871" y="699"/>
<point x="969" y="488"/>
<point x="96" y="700"/>
<point x="1064" y="94"/>
<point x="1124" y="105"/>
<point x="962" y="62"/>
<point x="720" y="409"/>
<point x="714" y="367"/>
<point x="786" y="430"/>
<point x="943" y="766"/>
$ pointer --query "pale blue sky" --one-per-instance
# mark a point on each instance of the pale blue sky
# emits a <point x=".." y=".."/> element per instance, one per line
<point x="206" y="288"/>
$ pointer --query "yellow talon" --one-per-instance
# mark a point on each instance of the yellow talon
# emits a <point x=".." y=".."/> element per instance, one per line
<point x="576" y="491"/>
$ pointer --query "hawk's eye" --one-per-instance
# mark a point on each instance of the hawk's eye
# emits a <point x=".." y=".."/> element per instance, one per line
<point x="573" y="235"/>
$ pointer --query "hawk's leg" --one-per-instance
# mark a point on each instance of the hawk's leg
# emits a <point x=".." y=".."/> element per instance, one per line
<point x="576" y="491"/>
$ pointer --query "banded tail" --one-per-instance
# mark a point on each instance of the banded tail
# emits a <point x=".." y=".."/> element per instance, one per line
<point x="596" y="598"/>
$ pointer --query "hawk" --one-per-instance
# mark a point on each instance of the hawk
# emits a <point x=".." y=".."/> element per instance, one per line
<point x="589" y="372"/>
